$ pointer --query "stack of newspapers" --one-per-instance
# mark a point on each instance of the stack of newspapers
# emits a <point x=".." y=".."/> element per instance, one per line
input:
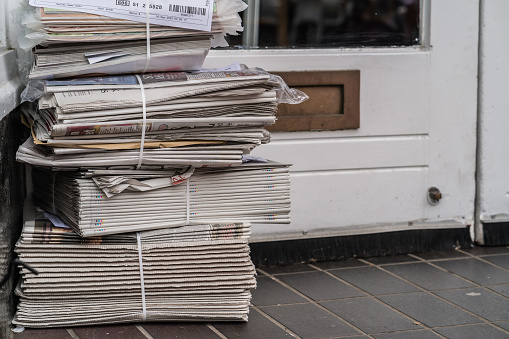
<point x="142" y="180"/>
<point x="69" y="43"/>
<point x="192" y="273"/>
<point x="107" y="202"/>
<point x="213" y="117"/>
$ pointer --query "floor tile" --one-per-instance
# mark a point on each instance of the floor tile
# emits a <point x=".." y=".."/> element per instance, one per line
<point x="179" y="330"/>
<point x="370" y="315"/>
<point x="257" y="327"/>
<point x="270" y="292"/>
<point x="428" y="277"/>
<point x="420" y="334"/>
<point x="476" y="270"/>
<point x="310" y="321"/>
<point x="296" y="268"/>
<point x="428" y="309"/>
<point x="502" y="289"/>
<point x="374" y="281"/>
<point x="480" y="301"/>
<point x="471" y="332"/>
<point x="395" y="259"/>
<point x="34" y="333"/>
<point x="320" y="286"/>
<point x="347" y="263"/>
<point x="500" y="260"/>
<point x="441" y="255"/>
<point x="110" y="332"/>
<point x="483" y="250"/>
<point x="503" y="324"/>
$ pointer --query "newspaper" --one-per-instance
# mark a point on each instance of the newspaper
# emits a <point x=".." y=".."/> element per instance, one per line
<point x="98" y="203"/>
<point x="198" y="273"/>
<point x="160" y="158"/>
<point x="120" y="58"/>
<point x="207" y="118"/>
<point x="50" y="26"/>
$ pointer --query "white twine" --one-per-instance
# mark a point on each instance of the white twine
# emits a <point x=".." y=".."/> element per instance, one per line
<point x="144" y="107"/>
<point x="140" y="260"/>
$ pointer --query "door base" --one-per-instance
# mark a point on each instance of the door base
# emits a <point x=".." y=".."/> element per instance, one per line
<point x="359" y="246"/>
<point x="496" y="233"/>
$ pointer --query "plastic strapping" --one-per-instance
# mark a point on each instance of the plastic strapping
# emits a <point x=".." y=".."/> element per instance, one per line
<point x="187" y="202"/>
<point x="144" y="107"/>
<point x="140" y="259"/>
<point x="147" y="16"/>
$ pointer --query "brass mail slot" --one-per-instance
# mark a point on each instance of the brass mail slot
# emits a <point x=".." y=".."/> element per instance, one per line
<point x="333" y="102"/>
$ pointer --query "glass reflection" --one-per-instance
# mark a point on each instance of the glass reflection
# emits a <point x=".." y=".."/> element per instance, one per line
<point x="328" y="23"/>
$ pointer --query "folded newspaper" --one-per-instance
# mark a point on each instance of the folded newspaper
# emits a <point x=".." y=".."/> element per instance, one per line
<point x="190" y="273"/>
<point x="110" y="202"/>
<point x="71" y="43"/>
<point x="199" y="119"/>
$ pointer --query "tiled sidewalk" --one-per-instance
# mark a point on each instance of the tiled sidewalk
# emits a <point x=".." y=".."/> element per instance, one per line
<point x="457" y="294"/>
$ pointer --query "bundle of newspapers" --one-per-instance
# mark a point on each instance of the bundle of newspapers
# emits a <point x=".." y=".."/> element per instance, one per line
<point x="107" y="202"/>
<point x="204" y="118"/>
<point x="191" y="273"/>
<point x="74" y="40"/>
<point x="142" y="165"/>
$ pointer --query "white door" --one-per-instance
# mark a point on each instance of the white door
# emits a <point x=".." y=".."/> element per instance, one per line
<point x="417" y="130"/>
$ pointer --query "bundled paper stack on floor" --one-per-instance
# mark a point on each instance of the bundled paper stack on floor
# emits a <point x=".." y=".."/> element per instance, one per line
<point x="164" y="155"/>
<point x="198" y="273"/>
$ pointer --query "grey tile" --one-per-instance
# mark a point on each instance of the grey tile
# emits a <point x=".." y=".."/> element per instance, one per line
<point x="480" y="301"/>
<point x="320" y="286"/>
<point x="270" y="292"/>
<point x="428" y="309"/>
<point x="370" y="315"/>
<point x="441" y="255"/>
<point x="109" y="331"/>
<point x="374" y="281"/>
<point x="53" y="333"/>
<point x="500" y="260"/>
<point x="502" y="289"/>
<point x="420" y="334"/>
<point x="476" y="270"/>
<point x="257" y="327"/>
<point x="482" y="250"/>
<point x="503" y="324"/>
<point x="471" y="332"/>
<point x="282" y="269"/>
<point x="394" y="259"/>
<point x="310" y="321"/>
<point x="181" y="331"/>
<point x="428" y="277"/>
<point x="346" y="263"/>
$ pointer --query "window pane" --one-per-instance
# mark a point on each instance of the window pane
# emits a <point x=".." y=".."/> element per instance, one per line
<point x="328" y="23"/>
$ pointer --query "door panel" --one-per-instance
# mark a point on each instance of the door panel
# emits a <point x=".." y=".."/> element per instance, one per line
<point x="418" y="109"/>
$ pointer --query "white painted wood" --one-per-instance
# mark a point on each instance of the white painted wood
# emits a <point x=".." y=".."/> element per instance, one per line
<point x="328" y="153"/>
<point x="418" y="128"/>
<point x="493" y="176"/>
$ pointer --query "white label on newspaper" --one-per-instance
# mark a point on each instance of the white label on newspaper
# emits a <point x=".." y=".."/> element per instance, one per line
<point x="192" y="14"/>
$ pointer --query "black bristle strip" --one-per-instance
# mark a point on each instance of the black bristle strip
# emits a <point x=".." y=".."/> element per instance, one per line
<point x="358" y="246"/>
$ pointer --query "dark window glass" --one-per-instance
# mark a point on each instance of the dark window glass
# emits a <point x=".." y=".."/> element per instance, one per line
<point x="328" y="23"/>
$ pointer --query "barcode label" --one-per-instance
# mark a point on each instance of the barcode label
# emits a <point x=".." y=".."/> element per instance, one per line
<point x="188" y="9"/>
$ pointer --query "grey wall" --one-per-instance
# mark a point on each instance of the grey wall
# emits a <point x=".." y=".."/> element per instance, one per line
<point x="12" y="194"/>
